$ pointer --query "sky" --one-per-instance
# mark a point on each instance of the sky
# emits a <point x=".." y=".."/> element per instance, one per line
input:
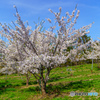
<point x="31" y="10"/>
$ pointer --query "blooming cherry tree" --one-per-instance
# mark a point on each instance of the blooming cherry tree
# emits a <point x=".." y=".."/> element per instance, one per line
<point x="95" y="53"/>
<point x="5" y="69"/>
<point x="36" y="51"/>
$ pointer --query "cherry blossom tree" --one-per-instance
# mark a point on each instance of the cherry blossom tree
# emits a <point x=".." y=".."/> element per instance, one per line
<point x="94" y="53"/>
<point x="11" y="59"/>
<point x="37" y="51"/>
<point x="4" y="69"/>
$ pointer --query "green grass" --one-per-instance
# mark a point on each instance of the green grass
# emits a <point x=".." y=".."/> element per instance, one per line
<point x="59" y="86"/>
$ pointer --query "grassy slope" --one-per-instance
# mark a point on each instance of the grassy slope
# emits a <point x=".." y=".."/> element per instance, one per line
<point x="59" y="86"/>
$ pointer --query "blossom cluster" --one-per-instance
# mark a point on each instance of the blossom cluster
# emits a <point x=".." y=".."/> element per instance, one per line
<point x="29" y="49"/>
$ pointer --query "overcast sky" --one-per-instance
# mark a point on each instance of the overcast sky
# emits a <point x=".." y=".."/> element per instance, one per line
<point x="31" y="10"/>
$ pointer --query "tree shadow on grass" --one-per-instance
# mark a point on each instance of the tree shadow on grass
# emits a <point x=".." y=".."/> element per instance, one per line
<point x="58" y="88"/>
<point x="50" y="89"/>
<point x="32" y="89"/>
<point x="6" y="86"/>
<point x="2" y="85"/>
<point x="54" y="79"/>
<point x="97" y="68"/>
<point x="30" y="82"/>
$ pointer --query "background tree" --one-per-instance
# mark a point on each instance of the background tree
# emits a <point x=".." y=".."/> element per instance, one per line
<point x="95" y="51"/>
<point x="83" y="39"/>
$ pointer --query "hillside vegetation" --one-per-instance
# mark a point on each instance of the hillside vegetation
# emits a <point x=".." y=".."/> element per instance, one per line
<point x="61" y="82"/>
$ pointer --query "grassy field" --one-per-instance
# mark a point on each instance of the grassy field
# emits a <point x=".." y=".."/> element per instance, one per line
<point x="59" y="86"/>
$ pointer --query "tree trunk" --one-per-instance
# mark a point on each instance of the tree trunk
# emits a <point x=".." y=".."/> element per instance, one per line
<point x="27" y="80"/>
<point x="91" y="71"/>
<point x="43" y="83"/>
<point x="43" y="87"/>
